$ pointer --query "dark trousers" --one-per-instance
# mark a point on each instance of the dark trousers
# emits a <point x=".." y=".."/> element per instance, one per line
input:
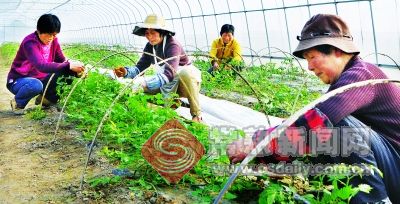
<point x="378" y="152"/>
<point x="26" y="88"/>
<point x="51" y="93"/>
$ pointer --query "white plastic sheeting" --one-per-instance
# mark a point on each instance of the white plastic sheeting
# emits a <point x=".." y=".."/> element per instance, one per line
<point x="262" y="25"/>
<point x="217" y="112"/>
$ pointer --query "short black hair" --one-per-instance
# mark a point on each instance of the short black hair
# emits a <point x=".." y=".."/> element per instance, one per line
<point x="325" y="48"/>
<point x="227" y="28"/>
<point x="48" y="23"/>
<point x="163" y="32"/>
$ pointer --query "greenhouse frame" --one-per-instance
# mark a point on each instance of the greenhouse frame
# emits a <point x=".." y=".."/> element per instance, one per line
<point x="263" y="26"/>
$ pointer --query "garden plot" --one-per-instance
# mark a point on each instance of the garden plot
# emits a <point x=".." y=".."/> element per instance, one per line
<point x="132" y="121"/>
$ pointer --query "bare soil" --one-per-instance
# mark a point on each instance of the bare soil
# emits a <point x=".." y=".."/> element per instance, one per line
<point x="34" y="168"/>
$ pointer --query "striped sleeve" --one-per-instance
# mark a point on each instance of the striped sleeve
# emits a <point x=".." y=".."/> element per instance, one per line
<point x="346" y="103"/>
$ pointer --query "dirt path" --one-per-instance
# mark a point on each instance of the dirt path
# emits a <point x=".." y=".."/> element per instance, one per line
<point x="33" y="170"/>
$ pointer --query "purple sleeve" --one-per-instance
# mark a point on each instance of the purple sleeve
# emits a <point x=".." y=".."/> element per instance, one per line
<point x="146" y="60"/>
<point x="31" y="50"/>
<point x="346" y="103"/>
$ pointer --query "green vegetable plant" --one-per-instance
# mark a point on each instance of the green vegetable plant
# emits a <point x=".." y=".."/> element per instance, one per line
<point x="283" y="87"/>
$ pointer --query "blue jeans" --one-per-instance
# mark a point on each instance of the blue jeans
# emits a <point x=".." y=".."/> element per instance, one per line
<point x="26" y="88"/>
<point x="380" y="153"/>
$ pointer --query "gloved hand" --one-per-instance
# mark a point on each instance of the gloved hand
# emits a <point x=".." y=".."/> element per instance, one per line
<point x="120" y="71"/>
<point x="293" y="135"/>
<point x="239" y="149"/>
<point x="76" y="66"/>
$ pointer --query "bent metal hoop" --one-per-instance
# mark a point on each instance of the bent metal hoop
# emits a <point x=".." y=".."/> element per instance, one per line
<point x="277" y="131"/>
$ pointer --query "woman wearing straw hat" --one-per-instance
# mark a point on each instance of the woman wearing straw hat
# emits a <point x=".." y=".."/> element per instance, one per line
<point x="366" y="119"/>
<point x="177" y="74"/>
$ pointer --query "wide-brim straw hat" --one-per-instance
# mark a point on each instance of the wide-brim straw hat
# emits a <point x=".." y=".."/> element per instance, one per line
<point x="152" y="21"/>
<point x="325" y="29"/>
